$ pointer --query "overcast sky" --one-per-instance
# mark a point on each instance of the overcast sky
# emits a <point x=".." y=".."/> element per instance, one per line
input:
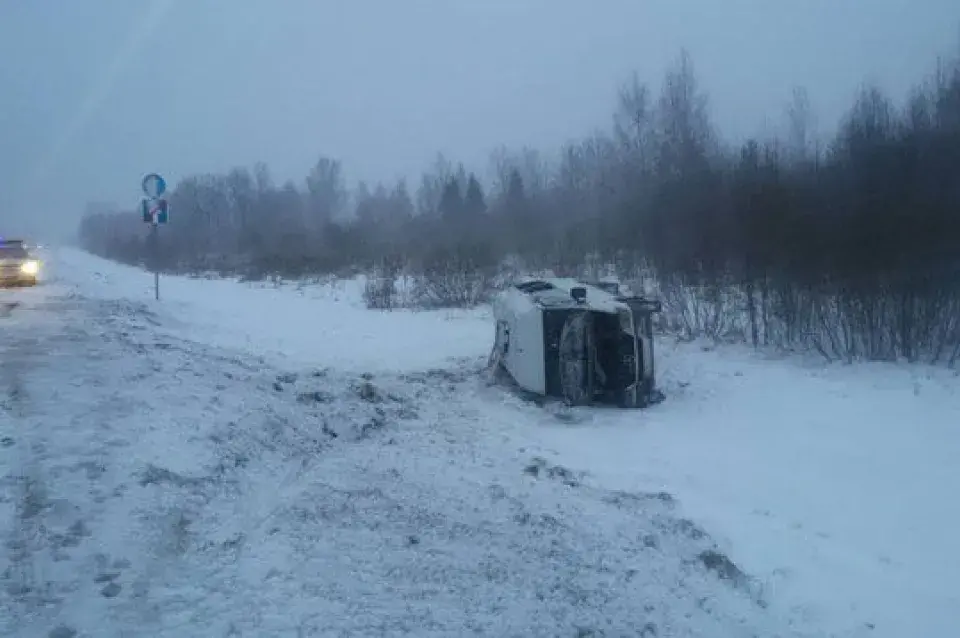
<point x="94" y="93"/>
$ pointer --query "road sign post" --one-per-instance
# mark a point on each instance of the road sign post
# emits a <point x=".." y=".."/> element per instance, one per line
<point x="155" y="258"/>
<point x="155" y="211"/>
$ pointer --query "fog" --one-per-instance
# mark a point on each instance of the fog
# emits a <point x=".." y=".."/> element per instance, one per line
<point x="96" y="93"/>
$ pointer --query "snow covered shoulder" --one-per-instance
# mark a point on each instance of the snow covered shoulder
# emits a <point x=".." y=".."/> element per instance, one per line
<point x="156" y="486"/>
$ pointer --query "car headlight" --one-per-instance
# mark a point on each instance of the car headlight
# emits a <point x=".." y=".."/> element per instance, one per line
<point x="31" y="267"/>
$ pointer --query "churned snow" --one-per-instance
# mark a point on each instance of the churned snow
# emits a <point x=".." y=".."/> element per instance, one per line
<point x="255" y="460"/>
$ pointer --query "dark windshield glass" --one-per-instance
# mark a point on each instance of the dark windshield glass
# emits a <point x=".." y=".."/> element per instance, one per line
<point x="12" y="251"/>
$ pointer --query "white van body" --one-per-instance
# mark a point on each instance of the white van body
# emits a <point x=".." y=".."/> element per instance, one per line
<point x="578" y="341"/>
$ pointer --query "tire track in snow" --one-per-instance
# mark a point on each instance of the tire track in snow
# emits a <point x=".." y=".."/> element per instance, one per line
<point x="26" y="590"/>
<point x="59" y="448"/>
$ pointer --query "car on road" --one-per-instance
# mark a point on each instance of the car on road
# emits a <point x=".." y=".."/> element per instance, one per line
<point x="17" y="266"/>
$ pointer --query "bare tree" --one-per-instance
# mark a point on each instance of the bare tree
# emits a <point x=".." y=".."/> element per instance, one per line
<point x="326" y="193"/>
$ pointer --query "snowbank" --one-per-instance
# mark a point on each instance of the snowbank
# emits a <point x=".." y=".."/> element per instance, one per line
<point x="300" y="325"/>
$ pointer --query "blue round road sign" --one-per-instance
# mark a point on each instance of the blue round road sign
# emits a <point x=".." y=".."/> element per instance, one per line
<point x="153" y="185"/>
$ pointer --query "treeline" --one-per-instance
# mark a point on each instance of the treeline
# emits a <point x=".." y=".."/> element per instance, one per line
<point x="849" y="246"/>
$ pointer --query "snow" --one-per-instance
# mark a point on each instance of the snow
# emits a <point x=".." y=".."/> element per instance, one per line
<point x="249" y="460"/>
<point x="296" y="325"/>
<point x="833" y="484"/>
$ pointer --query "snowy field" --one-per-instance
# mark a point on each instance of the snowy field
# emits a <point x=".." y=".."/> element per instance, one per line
<point x="250" y="460"/>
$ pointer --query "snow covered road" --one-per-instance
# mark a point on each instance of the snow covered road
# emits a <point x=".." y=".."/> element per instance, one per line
<point x="157" y="481"/>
